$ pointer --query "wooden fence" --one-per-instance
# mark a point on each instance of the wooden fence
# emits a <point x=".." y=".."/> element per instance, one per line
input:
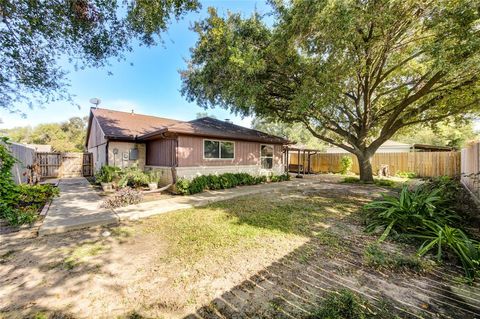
<point x="24" y="155"/>
<point x="423" y="164"/>
<point x="64" y="164"/>
<point x="471" y="168"/>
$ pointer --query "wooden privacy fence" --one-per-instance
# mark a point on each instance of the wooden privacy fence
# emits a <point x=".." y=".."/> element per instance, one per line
<point x="423" y="164"/>
<point x="64" y="164"/>
<point x="471" y="168"/>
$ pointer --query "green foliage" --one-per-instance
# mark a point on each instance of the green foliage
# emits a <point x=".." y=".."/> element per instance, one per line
<point x="223" y="181"/>
<point x="375" y="257"/>
<point x="19" y="204"/>
<point x="291" y="131"/>
<point x="67" y="136"/>
<point x="36" y="36"/>
<point x="406" y="174"/>
<point x="344" y="304"/>
<point x="107" y="174"/>
<point x="451" y="134"/>
<point x="426" y="213"/>
<point x="123" y="197"/>
<point x="183" y="186"/>
<point x="352" y="72"/>
<point x="346" y="163"/>
<point x="133" y="177"/>
<point x="279" y="178"/>
<point x="441" y="237"/>
<point x="153" y="176"/>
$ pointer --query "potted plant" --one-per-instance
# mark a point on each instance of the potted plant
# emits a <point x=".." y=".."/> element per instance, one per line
<point x="153" y="180"/>
<point x="105" y="177"/>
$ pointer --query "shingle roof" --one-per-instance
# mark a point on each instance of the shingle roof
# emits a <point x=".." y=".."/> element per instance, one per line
<point x="116" y="124"/>
<point x="207" y="126"/>
<point x="124" y="125"/>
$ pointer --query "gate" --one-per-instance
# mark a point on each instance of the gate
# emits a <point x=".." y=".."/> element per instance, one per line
<point x="58" y="165"/>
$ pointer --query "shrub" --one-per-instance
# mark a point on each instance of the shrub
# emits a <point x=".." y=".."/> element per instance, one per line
<point x="222" y="181"/>
<point x="406" y="174"/>
<point x="132" y="177"/>
<point x="426" y="213"/>
<point x="19" y="204"/>
<point x="123" y="197"/>
<point x="183" y="186"/>
<point x="107" y="174"/>
<point x="346" y="164"/>
<point x="279" y="178"/>
<point x="153" y="176"/>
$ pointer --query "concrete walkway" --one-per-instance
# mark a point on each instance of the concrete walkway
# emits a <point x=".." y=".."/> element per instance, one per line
<point x="78" y="206"/>
<point x="147" y="209"/>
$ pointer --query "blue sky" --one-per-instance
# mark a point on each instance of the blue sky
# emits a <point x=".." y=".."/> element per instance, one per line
<point x="150" y="86"/>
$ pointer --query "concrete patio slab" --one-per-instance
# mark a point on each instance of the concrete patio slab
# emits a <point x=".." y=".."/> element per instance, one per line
<point x="147" y="209"/>
<point x="78" y="206"/>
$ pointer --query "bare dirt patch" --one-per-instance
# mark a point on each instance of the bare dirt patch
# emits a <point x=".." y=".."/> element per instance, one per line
<point x="269" y="256"/>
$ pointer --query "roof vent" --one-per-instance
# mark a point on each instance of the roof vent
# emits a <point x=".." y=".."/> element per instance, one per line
<point x="228" y="121"/>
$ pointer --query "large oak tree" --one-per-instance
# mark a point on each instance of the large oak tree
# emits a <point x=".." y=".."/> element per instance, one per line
<point x="353" y="72"/>
<point x="35" y="35"/>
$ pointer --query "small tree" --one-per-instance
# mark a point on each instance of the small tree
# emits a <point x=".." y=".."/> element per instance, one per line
<point x="353" y="72"/>
<point x="346" y="164"/>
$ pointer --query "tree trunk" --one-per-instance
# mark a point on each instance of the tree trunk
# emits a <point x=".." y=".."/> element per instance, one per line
<point x="366" y="171"/>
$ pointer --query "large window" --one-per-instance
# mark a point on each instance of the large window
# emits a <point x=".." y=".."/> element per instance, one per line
<point x="266" y="156"/>
<point x="218" y="149"/>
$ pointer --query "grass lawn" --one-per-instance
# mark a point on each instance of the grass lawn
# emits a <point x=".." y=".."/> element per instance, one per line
<point x="286" y="254"/>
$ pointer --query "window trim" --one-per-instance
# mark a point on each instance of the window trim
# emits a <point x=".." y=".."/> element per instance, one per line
<point x="273" y="157"/>
<point x="219" y="150"/>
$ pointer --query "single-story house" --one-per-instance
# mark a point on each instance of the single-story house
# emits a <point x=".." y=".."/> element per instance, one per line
<point x="181" y="149"/>
<point x="396" y="147"/>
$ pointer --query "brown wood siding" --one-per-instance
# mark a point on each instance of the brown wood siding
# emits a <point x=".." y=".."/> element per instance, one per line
<point x="96" y="136"/>
<point x="190" y="153"/>
<point x="161" y="152"/>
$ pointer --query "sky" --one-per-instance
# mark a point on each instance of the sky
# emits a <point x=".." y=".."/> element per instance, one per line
<point x="151" y="86"/>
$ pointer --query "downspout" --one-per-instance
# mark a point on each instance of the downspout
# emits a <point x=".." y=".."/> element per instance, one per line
<point x="106" y="152"/>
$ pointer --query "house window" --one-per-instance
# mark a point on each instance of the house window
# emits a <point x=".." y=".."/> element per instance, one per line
<point x="266" y="156"/>
<point x="218" y="149"/>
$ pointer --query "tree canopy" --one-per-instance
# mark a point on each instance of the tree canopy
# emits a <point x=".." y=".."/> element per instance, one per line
<point x="353" y="72"/>
<point x="35" y="35"/>
<point x="295" y="132"/>
<point x="441" y="134"/>
<point x="67" y="136"/>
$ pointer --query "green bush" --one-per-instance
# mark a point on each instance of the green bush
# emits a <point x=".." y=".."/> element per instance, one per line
<point x="183" y="186"/>
<point x="153" y="176"/>
<point x="132" y="177"/>
<point x="406" y="174"/>
<point x="346" y="164"/>
<point x="426" y="213"/>
<point x="222" y="181"/>
<point x="19" y="204"/>
<point x="107" y="174"/>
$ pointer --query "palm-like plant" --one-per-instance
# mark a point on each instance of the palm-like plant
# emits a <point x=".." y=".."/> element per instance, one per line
<point x="425" y="213"/>
<point x="443" y="237"/>
<point x="407" y="212"/>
